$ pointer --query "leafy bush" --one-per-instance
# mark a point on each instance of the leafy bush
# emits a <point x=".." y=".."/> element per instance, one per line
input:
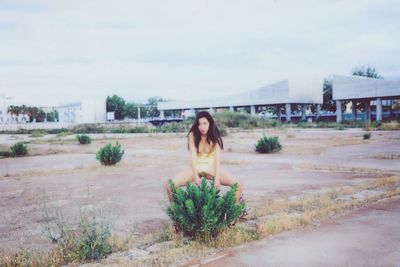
<point x="87" y="241"/>
<point x="229" y="119"/>
<point x="366" y="135"/>
<point x="109" y="154"/>
<point x="19" y="149"/>
<point x="142" y="129"/>
<point x="57" y="131"/>
<point x="268" y="144"/>
<point x="83" y="139"/>
<point x="232" y="119"/>
<point x="200" y="212"/>
<point x="88" y="128"/>
<point x="173" y="127"/>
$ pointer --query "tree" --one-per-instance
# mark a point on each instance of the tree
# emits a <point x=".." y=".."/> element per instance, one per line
<point x="366" y="72"/>
<point x="328" y="104"/>
<point x="131" y="110"/>
<point x="52" y="116"/>
<point x="152" y="110"/>
<point x="14" y="110"/>
<point x="116" y="104"/>
<point x="41" y="115"/>
<point x="32" y="112"/>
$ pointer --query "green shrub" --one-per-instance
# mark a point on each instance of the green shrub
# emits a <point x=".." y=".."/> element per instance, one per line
<point x="173" y="127"/>
<point x="19" y="149"/>
<point x="83" y="139"/>
<point x="201" y="212"/>
<point x="119" y="130"/>
<point x="340" y="127"/>
<point x="268" y="144"/>
<point x="57" y="131"/>
<point x="87" y="241"/>
<point x="37" y="134"/>
<point x="366" y="135"/>
<point x="88" y="128"/>
<point x="141" y="129"/>
<point x="109" y="154"/>
<point x="229" y="119"/>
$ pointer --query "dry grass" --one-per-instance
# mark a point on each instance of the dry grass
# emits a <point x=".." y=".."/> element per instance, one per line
<point x="272" y="218"/>
<point x="390" y="126"/>
<point x="387" y="156"/>
<point x="344" y="169"/>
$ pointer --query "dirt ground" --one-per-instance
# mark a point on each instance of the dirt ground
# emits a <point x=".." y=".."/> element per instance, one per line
<point x="367" y="237"/>
<point x="70" y="176"/>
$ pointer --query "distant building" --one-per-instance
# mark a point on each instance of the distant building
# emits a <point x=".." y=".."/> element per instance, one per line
<point x="368" y="91"/>
<point x="279" y="95"/>
<point x="82" y="112"/>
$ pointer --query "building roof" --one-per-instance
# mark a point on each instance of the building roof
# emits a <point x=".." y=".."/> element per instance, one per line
<point x="287" y="91"/>
<point x="356" y="87"/>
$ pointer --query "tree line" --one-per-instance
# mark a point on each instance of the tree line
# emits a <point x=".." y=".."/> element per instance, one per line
<point x="36" y="114"/>
<point x="123" y="109"/>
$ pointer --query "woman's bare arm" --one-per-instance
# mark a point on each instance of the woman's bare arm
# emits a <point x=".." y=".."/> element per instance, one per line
<point x="217" y="164"/>
<point x="193" y="153"/>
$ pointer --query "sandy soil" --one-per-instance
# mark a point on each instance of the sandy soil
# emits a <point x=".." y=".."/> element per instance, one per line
<point x="312" y="159"/>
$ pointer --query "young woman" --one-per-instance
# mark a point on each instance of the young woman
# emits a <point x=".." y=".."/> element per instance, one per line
<point x="205" y="145"/>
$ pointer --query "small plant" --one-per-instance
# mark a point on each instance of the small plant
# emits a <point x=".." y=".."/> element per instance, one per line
<point x="173" y="127"/>
<point x="268" y="145"/>
<point x="366" y="135"/>
<point x="86" y="239"/>
<point x="19" y="149"/>
<point x="340" y="127"/>
<point x="200" y="212"/>
<point x="37" y="134"/>
<point x="109" y="154"/>
<point x="83" y="139"/>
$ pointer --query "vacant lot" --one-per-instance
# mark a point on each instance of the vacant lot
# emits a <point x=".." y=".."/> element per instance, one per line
<point x="68" y="175"/>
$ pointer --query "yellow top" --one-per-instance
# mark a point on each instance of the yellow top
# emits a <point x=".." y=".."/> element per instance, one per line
<point x="205" y="160"/>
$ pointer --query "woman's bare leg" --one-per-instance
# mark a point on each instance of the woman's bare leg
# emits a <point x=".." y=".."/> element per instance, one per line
<point x="180" y="180"/>
<point x="227" y="179"/>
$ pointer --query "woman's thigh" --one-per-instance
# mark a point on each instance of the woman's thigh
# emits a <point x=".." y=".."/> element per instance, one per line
<point x="183" y="177"/>
<point x="226" y="178"/>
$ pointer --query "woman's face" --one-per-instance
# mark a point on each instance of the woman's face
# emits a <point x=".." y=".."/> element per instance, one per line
<point x="204" y="125"/>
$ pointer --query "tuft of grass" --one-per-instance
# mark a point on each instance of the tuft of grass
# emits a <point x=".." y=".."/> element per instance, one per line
<point x="37" y="133"/>
<point x="389" y="126"/>
<point x="268" y="145"/>
<point x="83" y="139"/>
<point x="19" y="149"/>
<point x="366" y="135"/>
<point x="87" y="239"/>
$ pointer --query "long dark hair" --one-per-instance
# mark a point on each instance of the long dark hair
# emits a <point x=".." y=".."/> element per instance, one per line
<point x="213" y="134"/>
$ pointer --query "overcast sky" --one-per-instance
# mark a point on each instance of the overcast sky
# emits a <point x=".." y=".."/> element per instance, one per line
<point x="54" y="52"/>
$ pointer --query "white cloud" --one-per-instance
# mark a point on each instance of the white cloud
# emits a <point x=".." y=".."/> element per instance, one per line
<point x="186" y="49"/>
